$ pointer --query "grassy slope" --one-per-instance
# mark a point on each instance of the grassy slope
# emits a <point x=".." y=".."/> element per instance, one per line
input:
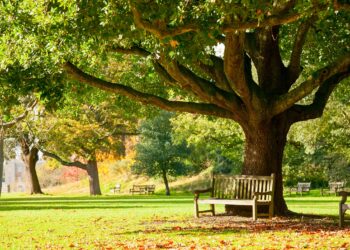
<point x="123" y="175"/>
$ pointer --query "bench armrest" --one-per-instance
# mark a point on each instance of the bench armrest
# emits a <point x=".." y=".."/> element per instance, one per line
<point x="202" y="191"/>
<point x="344" y="196"/>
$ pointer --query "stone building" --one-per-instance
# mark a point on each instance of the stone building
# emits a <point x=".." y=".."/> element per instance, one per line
<point x="13" y="179"/>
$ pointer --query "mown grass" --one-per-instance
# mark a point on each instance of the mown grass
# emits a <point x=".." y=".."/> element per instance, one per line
<point x="156" y="221"/>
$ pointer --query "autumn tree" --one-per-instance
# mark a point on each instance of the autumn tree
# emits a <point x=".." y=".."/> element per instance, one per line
<point x="281" y="60"/>
<point x="8" y="121"/>
<point x="76" y="133"/>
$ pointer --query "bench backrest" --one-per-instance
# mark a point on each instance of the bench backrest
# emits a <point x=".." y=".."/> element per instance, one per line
<point x="334" y="186"/>
<point x="144" y="187"/>
<point x="138" y="187"/>
<point x="242" y="186"/>
<point x="303" y="186"/>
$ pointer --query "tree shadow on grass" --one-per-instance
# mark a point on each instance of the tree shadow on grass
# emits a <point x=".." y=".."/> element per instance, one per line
<point x="18" y="208"/>
<point x="222" y="224"/>
<point x="46" y="202"/>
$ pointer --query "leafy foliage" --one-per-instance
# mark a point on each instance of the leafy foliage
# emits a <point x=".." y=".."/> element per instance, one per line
<point x="214" y="140"/>
<point x="82" y="129"/>
<point x="156" y="153"/>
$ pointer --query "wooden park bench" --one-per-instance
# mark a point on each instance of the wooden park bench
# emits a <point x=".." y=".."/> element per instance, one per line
<point x="142" y="189"/>
<point x="239" y="190"/>
<point x="343" y="207"/>
<point x="302" y="187"/>
<point x="334" y="187"/>
<point x="116" y="188"/>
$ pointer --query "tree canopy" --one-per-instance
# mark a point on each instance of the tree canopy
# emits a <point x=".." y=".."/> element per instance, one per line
<point x="280" y="60"/>
<point x="157" y="154"/>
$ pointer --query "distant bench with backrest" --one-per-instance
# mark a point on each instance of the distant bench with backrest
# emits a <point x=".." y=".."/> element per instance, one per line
<point x="343" y="207"/>
<point x="240" y="190"/>
<point x="142" y="189"/>
<point x="334" y="187"/>
<point x="116" y="188"/>
<point x="302" y="187"/>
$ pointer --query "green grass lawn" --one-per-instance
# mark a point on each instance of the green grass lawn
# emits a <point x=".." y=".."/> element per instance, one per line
<point x="156" y="221"/>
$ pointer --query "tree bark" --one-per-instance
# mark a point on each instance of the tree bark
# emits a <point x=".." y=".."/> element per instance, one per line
<point x="30" y="158"/>
<point x="94" y="181"/>
<point x="263" y="154"/>
<point x="166" y="183"/>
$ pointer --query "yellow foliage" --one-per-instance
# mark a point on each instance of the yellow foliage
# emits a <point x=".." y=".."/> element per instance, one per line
<point x="174" y="43"/>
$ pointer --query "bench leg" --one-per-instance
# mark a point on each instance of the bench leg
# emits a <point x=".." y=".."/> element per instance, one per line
<point x="341" y="215"/>
<point x="255" y="211"/>
<point x="212" y="209"/>
<point x="271" y="208"/>
<point x="196" y="214"/>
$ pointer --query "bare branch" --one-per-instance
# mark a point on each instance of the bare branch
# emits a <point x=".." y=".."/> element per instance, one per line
<point x="77" y="164"/>
<point x="284" y="102"/>
<point x="190" y="107"/>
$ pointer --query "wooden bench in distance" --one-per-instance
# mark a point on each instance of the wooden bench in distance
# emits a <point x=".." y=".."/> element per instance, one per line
<point x="117" y="188"/>
<point x="302" y="187"/>
<point x="142" y="189"/>
<point x="240" y="190"/>
<point x="334" y="187"/>
<point x="343" y="207"/>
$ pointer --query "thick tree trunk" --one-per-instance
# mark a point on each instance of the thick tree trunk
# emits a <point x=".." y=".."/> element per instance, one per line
<point x="2" y="158"/>
<point x="166" y="183"/>
<point x="263" y="155"/>
<point x="30" y="158"/>
<point x="94" y="181"/>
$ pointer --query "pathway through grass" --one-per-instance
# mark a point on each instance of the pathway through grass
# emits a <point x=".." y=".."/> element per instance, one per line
<point x="141" y="222"/>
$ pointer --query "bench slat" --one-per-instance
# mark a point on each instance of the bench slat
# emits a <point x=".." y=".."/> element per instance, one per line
<point x="226" y="202"/>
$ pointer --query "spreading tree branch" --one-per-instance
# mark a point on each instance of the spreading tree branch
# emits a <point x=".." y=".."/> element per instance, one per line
<point x="176" y="73"/>
<point x="216" y="72"/>
<point x="136" y="50"/>
<point x="284" y="102"/>
<point x="17" y="119"/>
<point x="77" y="164"/>
<point x="201" y="87"/>
<point x="190" y="107"/>
<point x="156" y="30"/>
<point x="267" y="22"/>
<point x="345" y="5"/>
<point x="234" y="65"/>
<point x="305" y="112"/>
<point x="294" y="67"/>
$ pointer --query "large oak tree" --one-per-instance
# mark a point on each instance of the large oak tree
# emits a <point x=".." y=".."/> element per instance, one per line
<point x="281" y="59"/>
